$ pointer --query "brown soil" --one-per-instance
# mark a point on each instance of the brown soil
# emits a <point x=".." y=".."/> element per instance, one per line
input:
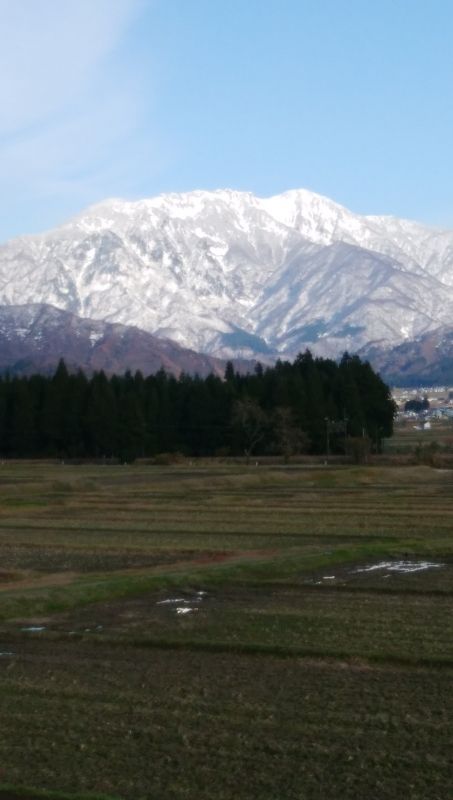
<point x="8" y="576"/>
<point x="31" y="581"/>
<point x="213" y="558"/>
<point x="41" y="582"/>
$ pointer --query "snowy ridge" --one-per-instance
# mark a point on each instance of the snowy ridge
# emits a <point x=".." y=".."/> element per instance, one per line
<point x="232" y="274"/>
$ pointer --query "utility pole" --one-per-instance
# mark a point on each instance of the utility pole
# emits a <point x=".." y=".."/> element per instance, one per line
<point x="327" y="421"/>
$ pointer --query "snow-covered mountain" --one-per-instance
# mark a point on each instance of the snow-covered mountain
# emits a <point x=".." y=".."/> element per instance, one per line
<point x="228" y="273"/>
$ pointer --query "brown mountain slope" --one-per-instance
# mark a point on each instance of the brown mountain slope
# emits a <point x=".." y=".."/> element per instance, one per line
<point x="427" y="359"/>
<point x="34" y="337"/>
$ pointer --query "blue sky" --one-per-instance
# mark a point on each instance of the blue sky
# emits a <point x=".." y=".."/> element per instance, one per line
<point x="350" y="98"/>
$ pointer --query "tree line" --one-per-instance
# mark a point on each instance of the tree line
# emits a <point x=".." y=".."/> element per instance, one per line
<point x="312" y="405"/>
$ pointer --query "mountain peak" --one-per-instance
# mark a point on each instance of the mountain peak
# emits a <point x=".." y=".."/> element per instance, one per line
<point x="232" y="274"/>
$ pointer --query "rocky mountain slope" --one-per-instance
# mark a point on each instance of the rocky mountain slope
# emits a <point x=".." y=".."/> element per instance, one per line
<point x="230" y="274"/>
<point x="426" y="360"/>
<point x="34" y="337"/>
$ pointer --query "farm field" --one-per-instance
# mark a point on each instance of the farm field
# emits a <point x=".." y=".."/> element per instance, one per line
<point x="220" y="631"/>
<point x="408" y="436"/>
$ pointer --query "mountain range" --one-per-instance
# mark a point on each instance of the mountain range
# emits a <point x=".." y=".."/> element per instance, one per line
<point x="34" y="337"/>
<point x="229" y="274"/>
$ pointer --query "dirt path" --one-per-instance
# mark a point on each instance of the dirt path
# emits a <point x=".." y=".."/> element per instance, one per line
<point x="203" y="562"/>
<point x="43" y="581"/>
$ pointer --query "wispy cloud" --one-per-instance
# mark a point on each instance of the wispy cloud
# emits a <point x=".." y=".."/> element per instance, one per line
<point x="73" y="104"/>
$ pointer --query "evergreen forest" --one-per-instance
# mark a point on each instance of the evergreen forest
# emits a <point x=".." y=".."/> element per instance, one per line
<point x="312" y="405"/>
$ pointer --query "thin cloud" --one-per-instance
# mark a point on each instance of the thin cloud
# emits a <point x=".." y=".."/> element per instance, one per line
<point x="73" y="108"/>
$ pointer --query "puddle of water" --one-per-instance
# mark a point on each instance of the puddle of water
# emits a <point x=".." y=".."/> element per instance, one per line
<point x="401" y="566"/>
<point x="5" y="654"/>
<point x="185" y="610"/>
<point x="172" y="600"/>
<point x="328" y="577"/>
<point x="34" y="629"/>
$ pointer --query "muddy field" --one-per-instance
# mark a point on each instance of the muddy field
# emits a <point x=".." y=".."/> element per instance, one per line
<point x="410" y="616"/>
<point x="388" y="575"/>
<point x="238" y="634"/>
